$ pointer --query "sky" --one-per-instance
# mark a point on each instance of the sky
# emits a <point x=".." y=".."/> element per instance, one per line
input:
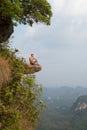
<point x="60" y="48"/>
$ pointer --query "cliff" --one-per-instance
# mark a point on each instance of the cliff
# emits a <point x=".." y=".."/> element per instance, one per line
<point x="80" y="104"/>
<point x="30" y="69"/>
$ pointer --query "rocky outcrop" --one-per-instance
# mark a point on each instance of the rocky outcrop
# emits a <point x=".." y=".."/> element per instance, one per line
<point x="80" y="104"/>
<point x="30" y="69"/>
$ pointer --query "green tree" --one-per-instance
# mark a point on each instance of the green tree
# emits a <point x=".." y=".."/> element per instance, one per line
<point x="26" y="11"/>
<point x="23" y="12"/>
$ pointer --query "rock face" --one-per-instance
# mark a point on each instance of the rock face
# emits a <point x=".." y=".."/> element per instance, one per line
<point x="30" y="69"/>
<point x="4" y="72"/>
<point x="80" y="104"/>
<point x="6" y="29"/>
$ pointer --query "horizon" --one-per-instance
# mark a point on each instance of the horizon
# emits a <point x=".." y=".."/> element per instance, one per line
<point x="53" y="87"/>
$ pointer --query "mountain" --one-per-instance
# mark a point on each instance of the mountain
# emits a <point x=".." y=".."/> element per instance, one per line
<point x="80" y="104"/>
<point x="79" y="114"/>
<point x="63" y="96"/>
<point x="64" y="92"/>
<point x="62" y="111"/>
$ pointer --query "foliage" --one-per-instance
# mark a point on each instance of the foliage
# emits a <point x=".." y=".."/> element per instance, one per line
<point x="20" y="103"/>
<point x="26" y="11"/>
<point x="36" y="11"/>
<point x="59" y="115"/>
<point x="9" y="10"/>
<point x="79" y="120"/>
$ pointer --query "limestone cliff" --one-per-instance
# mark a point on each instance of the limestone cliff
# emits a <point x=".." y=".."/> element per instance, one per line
<point x="80" y="104"/>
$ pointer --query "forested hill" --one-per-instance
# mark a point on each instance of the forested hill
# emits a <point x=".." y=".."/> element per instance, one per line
<point x="79" y="112"/>
<point x="66" y="109"/>
<point x="20" y="102"/>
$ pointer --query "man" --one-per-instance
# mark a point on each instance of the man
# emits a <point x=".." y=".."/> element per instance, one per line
<point x="33" y="60"/>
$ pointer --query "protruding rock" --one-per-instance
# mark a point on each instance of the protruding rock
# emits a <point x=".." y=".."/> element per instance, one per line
<point x="30" y="69"/>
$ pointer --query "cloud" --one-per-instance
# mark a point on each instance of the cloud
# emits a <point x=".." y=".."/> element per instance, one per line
<point x="29" y="32"/>
<point x="70" y="7"/>
<point x="57" y="5"/>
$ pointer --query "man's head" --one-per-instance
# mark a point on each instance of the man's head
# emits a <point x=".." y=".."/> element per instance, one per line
<point x="32" y="54"/>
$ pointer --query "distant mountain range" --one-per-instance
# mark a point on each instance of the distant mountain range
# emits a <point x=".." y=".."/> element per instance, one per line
<point x="66" y="109"/>
<point x="64" y="91"/>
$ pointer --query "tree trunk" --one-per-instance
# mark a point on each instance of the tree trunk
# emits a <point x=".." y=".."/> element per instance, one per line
<point x="6" y="29"/>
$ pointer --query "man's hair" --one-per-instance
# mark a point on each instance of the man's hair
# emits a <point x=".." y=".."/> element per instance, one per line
<point x="32" y="54"/>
